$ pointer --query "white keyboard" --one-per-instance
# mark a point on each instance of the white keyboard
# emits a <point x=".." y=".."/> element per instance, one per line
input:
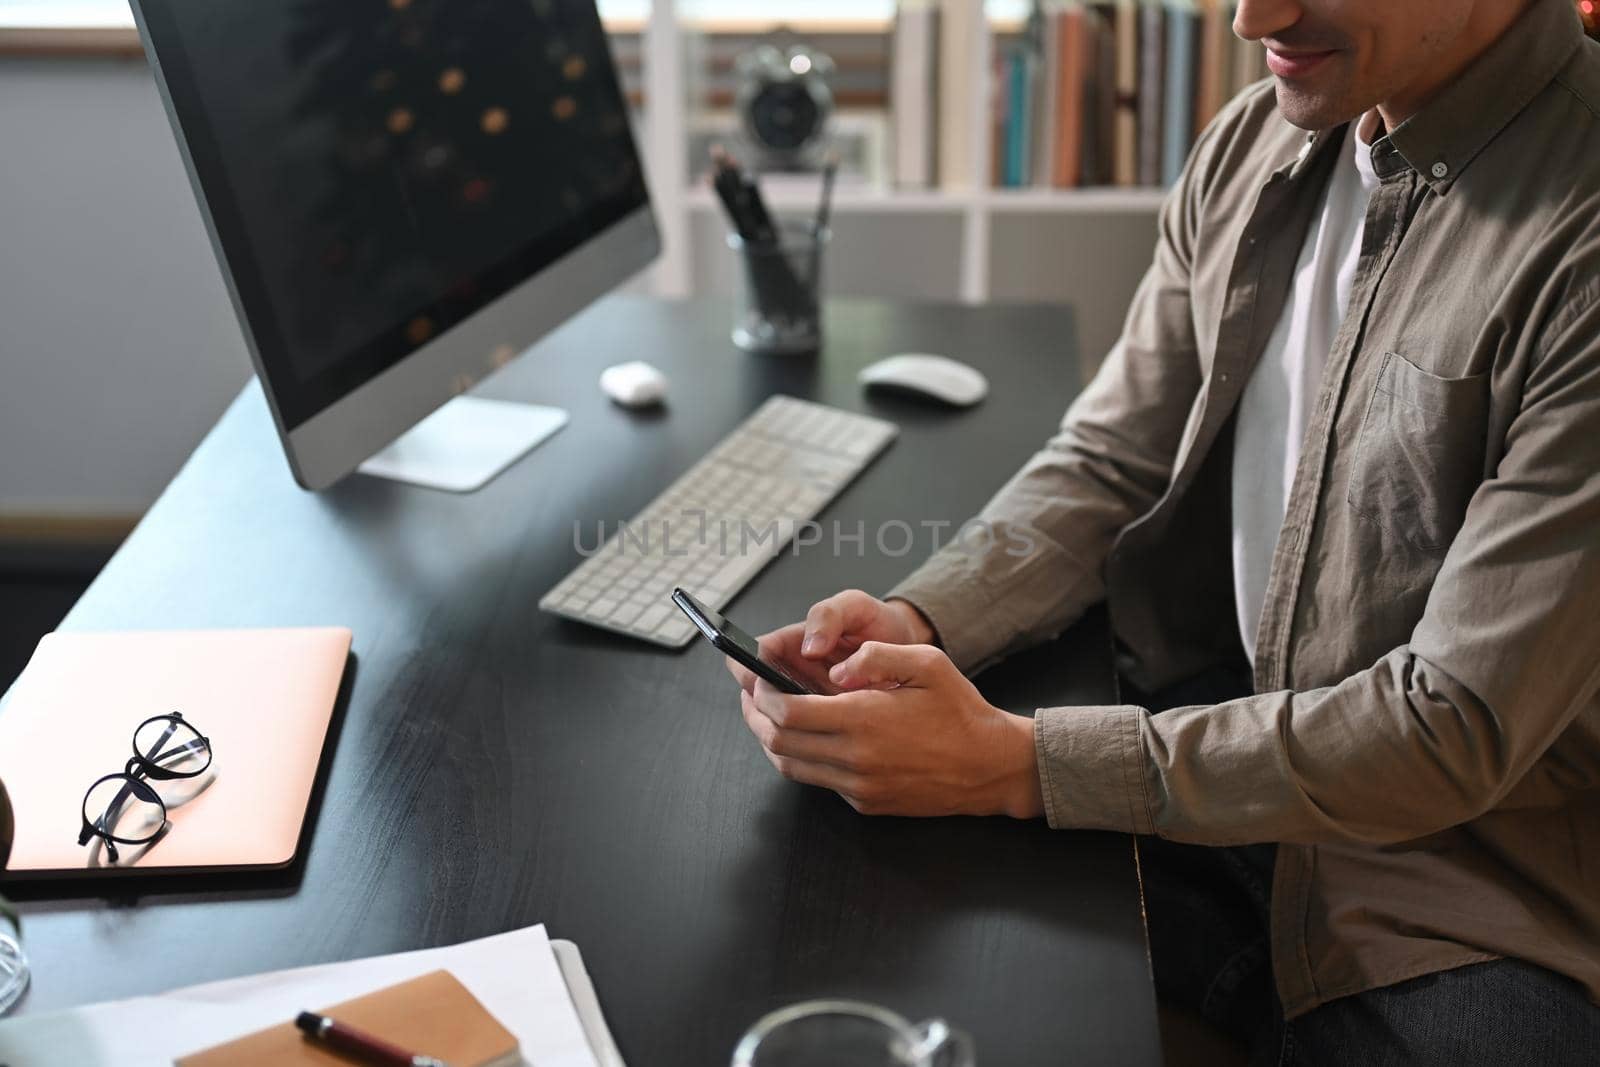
<point x="728" y="516"/>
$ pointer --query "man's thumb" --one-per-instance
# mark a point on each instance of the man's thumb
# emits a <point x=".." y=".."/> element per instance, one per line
<point x="876" y="665"/>
<point x="827" y="621"/>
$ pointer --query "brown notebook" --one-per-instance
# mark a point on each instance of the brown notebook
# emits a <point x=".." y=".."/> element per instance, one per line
<point x="434" y="1015"/>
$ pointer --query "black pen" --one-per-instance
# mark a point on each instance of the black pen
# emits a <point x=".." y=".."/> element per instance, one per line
<point x="742" y="199"/>
<point x="825" y="204"/>
<point x="359" y="1046"/>
<point x="728" y="184"/>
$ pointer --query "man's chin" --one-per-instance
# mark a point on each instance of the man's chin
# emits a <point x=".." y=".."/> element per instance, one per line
<point x="1314" y="110"/>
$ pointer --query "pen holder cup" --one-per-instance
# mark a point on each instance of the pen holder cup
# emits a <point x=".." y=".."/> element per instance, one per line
<point x="777" y="308"/>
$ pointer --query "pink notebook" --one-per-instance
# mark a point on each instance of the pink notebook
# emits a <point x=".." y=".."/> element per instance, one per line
<point x="263" y="697"/>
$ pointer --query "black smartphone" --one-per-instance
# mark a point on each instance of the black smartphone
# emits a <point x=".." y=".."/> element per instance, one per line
<point x="732" y="641"/>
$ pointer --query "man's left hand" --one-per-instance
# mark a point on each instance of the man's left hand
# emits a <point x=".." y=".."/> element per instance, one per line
<point x="908" y="735"/>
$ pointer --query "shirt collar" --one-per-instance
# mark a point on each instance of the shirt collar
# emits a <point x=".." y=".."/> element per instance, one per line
<point x="1439" y="141"/>
<point x="1361" y="151"/>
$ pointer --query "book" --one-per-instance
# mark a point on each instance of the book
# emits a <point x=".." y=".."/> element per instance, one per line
<point x="432" y="1015"/>
<point x="914" y="93"/>
<point x="1100" y="91"/>
<point x="999" y="106"/>
<point x="961" y="34"/>
<point x="1046" y="99"/>
<point x="1151" y="82"/>
<point x="1074" y="62"/>
<point x="1177" y="114"/>
<point x="1020" y="67"/>
<point x="1125" y="132"/>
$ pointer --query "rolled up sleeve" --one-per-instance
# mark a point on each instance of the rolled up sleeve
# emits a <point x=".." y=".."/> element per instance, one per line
<point x="1092" y="768"/>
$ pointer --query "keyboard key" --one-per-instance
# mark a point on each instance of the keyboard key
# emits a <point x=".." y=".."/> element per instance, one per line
<point x="625" y="614"/>
<point x="727" y="579"/>
<point x="652" y="618"/>
<point x="675" y="630"/>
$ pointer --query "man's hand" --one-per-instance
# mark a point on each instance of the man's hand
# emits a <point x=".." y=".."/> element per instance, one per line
<point x="905" y="734"/>
<point x="834" y="628"/>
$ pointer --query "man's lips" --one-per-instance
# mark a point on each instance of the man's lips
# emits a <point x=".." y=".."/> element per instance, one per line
<point x="1294" y="65"/>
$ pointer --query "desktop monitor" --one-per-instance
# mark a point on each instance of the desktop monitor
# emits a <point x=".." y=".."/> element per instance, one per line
<point x="402" y="194"/>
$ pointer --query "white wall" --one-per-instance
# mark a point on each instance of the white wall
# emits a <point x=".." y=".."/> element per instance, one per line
<point x="118" y="344"/>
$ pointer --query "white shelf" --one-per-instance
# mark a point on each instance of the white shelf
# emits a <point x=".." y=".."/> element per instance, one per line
<point x="801" y="195"/>
<point x="797" y="196"/>
<point x="1091" y="198"/>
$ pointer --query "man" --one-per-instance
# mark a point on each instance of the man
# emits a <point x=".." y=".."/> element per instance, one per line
<point x="1339" y="483"/>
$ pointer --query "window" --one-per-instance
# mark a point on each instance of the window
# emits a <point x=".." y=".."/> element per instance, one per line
<point x="101" y="13"/>
<point x="65" y="14"/>
<point x="811" y="11"/>
<point x="71" y="14"/>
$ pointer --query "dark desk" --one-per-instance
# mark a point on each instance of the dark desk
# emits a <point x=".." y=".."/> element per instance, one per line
<point x="499" y="767"/>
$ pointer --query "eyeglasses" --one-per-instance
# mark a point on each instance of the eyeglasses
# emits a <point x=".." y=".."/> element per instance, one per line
<point x="122" y="808"/>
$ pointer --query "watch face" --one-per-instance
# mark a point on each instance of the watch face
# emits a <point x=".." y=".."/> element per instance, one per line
<point x="784" y="116"/>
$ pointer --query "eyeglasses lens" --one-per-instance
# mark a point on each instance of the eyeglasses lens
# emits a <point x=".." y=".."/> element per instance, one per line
<point x="124" y="809"/>
<point x="173" y="745"/>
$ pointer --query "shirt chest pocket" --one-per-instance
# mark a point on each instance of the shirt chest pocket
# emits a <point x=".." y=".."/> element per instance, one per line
<point x="1420" y="454"/>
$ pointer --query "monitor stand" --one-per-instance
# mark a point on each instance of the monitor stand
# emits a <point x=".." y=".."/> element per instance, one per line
<point x="465" y="443"/>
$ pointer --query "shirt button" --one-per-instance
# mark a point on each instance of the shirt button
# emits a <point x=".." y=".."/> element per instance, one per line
<point x="1440" y="170"/>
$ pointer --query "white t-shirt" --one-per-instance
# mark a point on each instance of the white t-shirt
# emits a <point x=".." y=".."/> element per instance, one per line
<point x="1276" y="405"/>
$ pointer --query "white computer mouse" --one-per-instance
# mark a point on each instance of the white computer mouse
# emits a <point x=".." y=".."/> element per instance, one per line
<point x="939" y="377"/>
<point x="634" y="385"/>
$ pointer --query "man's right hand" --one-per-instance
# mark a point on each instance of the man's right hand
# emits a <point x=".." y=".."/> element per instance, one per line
<point x="833" y="630"/>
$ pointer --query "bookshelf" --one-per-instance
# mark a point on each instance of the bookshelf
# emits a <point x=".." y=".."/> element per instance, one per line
<point x="684" y="45"/>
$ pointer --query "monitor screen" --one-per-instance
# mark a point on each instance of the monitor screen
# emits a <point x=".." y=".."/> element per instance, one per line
<point x="378" y="170"/>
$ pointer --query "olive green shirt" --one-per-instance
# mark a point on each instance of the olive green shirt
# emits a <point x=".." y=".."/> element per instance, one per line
<point x="1424" y="736"/>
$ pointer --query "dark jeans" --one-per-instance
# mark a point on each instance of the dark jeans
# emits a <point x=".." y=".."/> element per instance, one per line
<point x="1207" y="912"/>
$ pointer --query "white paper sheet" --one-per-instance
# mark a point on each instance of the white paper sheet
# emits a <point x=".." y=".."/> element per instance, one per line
<point x="515" y="975"/>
